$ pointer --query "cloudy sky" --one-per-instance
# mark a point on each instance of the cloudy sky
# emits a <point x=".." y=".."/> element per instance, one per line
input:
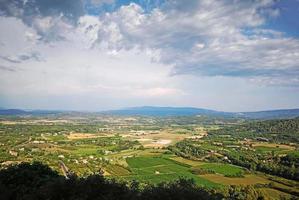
<point x="230" y="55"/>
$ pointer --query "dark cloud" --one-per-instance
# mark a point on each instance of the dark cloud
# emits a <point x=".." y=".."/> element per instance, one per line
<point x="30" y="11"/>
<point x="35" y="56"/>
<point x="32" y="56"/>
<point x="8" y="59"/>
<point x="70" y="9"/>
<point x="9" y="69"/>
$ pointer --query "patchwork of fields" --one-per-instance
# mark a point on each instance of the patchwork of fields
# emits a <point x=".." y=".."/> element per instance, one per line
<point x="156" y="150"/>
<point x="158" y="169"/>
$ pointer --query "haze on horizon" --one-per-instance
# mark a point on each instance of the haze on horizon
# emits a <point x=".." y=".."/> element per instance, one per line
<point x="107" y="54"/>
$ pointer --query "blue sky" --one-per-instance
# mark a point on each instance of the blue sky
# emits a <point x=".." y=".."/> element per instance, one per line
<point x="104" y="54"/>
<point x="288" y="19"/>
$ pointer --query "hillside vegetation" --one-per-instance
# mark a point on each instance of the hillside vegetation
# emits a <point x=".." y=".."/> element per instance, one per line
<point x="286" y="130"/>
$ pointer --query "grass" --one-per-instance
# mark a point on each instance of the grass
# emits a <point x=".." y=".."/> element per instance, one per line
<point x="269" y="149"/>
<point x="55" y="138"/>
<point x="224" y="169"/>
<point x="294" y="153"/>
<point x="86" y="150"/>
<point x="157" y="169"/>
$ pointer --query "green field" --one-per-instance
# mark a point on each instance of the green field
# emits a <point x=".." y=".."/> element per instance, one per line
<point x="117" y="170"/>
<point x="158" y="169"/>
<point x="272" y="150"/>
<point x="225" y="169"/>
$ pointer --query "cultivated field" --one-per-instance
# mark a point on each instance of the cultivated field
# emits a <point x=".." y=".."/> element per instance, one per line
<point x="157" y="169"/>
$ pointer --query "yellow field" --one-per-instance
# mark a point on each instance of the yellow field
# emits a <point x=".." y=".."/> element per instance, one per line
<point x="38" y="121"/>
<point x="272" y="145"/>
<point x="273" y="194"/>
<point x="247" y="180"/>
<point x="76" y="136"/>
<point x="158" y="140"/>
<point x="187" y="161"/>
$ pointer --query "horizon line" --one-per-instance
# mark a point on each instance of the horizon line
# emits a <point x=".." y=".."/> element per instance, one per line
<point x="132" y="107"/>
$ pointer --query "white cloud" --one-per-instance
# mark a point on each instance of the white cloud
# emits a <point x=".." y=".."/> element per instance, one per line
<point x="88" y="28"/>
<point x="205" y="37"/>
<point x="159" y="91"/>
<point x="70" y="68"/>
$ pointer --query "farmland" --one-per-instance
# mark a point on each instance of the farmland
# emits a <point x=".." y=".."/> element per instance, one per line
<point x="155" y="170"/>
<point x="213" y="153"/>
<point x="225" y="169"/>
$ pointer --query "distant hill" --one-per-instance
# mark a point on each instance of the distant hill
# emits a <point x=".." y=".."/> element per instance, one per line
<point x="24" y="112"/>
<point x="12" y="112"/>
<point x="166" y="111"/>
<point x="190" y="111"/>
<point x="271" y="114"/>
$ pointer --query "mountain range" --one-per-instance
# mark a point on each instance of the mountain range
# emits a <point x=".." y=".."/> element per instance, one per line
<point x="170" y="111"/>
<point x="191" y="111"/>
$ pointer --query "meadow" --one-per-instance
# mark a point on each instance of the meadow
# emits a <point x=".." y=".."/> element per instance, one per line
<point x="224" y="169"/>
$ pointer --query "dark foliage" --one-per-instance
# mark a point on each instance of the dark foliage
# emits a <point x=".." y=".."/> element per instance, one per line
<point x="38" y="181"/>
<point x="20" y="180"/>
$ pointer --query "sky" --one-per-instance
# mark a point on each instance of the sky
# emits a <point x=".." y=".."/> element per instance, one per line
<point x="92" y="55"/>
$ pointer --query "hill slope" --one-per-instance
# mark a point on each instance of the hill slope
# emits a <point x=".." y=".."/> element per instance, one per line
<point x="165" y="111"/>
<point x="286" y="130"/>
<point x="271" y="114"/>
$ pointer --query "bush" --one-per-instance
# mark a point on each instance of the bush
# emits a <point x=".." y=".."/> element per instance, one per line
<point x="201" y="171"/>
